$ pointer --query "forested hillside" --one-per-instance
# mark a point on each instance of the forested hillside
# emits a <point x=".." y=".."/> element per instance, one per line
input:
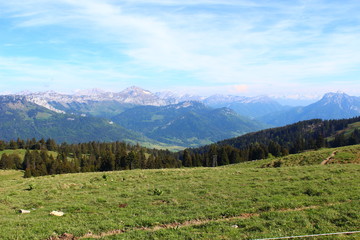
<point x="294" y="138"/>
<point x="46" y="157"/>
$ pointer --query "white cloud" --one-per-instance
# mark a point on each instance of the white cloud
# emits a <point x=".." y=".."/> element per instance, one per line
<point x="268" y="44"/>
<point x="60" y="76"/>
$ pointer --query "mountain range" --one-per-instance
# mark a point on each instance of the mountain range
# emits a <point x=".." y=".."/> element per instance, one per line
<point x="20" y="118"/>
<point x="162" y="118"/>
<point x="331" y="106"/>
<point x="106" y="104"/>
<point x="253" y="107"/>
<point x="188" y="123"/>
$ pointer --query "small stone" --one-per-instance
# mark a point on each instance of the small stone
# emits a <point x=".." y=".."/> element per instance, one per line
<point x="24" y="211"/>
<point x="57" y="213"/>
<point x="235" y="226"/>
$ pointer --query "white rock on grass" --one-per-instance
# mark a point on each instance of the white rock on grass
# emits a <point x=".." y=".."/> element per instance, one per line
<point x="24" y="211"/>
<point x="57" y="213"/>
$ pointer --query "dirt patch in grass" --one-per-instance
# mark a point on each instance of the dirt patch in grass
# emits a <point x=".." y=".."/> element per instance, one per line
<point x="328" y="159"/>
<point x="65" y="236"/>
<point x="194" y="222"/>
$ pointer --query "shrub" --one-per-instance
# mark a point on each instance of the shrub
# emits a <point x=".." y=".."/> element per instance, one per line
<point x="157" y="192"/>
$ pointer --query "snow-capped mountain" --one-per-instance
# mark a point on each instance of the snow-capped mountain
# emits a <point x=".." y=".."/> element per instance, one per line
<point x="97" y="102"/>
<point x="163" y="117"/>
<point x="334" y="106"/>
<point x="222" y="100"/>
<point x="90" y="92"/>
<point x="342" y="101"/>
<point x="138" y="96"/>
<point x="85" y="101"/>
<point x="174" y="98"/>
<point x="247" y="106"/>
<point x="134" y="95"/>
<point x="20" y="118"/>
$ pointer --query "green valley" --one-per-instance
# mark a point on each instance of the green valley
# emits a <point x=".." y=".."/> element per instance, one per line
<point x="187" y="124"/>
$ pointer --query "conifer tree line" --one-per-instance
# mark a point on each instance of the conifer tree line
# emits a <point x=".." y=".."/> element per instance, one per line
<point x="46" y="157"/>
<point x="291" y="139"/>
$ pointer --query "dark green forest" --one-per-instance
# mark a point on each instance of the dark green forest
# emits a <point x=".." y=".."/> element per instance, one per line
<point x="44" y="157"/>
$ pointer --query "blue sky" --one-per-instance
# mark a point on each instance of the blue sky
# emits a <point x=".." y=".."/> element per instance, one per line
<point x="298" y="48"/>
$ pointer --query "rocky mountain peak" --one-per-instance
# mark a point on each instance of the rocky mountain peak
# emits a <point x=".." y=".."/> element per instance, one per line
<point x="90" y="92"/>
<point x="138" y="96"/>
<point x="338" y="98"/>
<point x="136" y="91"/>
<point x="223" y="99"/>
<point x="187" y="104"/>
<point x="258" y="99"/>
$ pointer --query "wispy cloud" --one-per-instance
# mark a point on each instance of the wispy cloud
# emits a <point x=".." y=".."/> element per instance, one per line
<point x="59" y="75"/>
<point x="271" y="45"/>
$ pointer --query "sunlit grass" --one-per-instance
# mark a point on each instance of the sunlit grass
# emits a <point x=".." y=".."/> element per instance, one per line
<point x="129" y="200"/>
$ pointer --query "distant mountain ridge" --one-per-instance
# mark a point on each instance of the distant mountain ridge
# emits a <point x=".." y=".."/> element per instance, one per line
<point x="114" y="102"/>
<point x="100" y="103"/>
<point x="188" y="123"/>
<point x="332" y="106"/>
<point x="130" y="96"/>
<point x="20" y="118"/>
<point x="166" y="117"/>
<point x="253" y="107"/>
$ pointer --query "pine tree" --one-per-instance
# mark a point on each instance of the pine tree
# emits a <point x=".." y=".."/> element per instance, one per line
<point x="234" y="157"/>
<point x="50" y="144"/>
<point x="4" y="162"/>
<point x="187" y="160"/>
<point x="27" y="173"/>
<point x="274" y="148"/>
<point x="107" y="161"/>
<point x="150" y="162"/>
<point x="2" y="145"/>
<point x="224" y="158"/>
<point x="141" y="159"/>
<point x="130" y="158"/>
<point x="20" y="143"/>
<point x="13" y="144"/>
<point x="16" y="159"/>
<point x="28" y="159"/>
<point x="320" y="141"/>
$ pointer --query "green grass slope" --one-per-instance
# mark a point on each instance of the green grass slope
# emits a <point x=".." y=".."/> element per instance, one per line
<point x="348" y="154"/>
<point x="242" y="201"/>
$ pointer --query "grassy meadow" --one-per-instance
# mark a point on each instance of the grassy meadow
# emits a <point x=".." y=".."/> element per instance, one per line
<point x="250" y="200"/>
<point x="349" y="154"/>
